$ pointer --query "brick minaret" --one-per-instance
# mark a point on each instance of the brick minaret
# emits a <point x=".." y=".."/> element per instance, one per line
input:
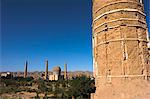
<point x="26" y="69"/>
<point x="120" y="51"/>
<point x="46" y="70"/>
<point x="65" y="71"/>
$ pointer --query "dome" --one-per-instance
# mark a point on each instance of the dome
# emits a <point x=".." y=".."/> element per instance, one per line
<point x="56" y="69"/>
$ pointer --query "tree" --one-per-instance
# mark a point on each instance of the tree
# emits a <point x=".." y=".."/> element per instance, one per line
<point x="42" y="87"/>
<point x="81" y="87"/>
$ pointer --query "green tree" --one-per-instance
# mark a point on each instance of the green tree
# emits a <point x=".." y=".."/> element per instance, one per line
<point x="81" y="87"/>
<point x="42" y="87"/>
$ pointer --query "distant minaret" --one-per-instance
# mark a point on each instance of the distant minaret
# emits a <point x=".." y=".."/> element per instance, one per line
<point x="65" y="71"/>
<point x="26" y="69"/>
<point x="46" y="71"/>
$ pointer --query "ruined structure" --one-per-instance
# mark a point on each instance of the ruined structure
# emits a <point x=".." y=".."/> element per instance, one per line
<point x="120" y="52"/>
<point x="56" y="74"/>
<point x="65" y="71"/>
<point x="46" y="70"/>
<point x="26" y="69"/>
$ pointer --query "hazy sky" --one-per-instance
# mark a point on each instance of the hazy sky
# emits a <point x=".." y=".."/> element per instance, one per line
<point x="35" y="30"/>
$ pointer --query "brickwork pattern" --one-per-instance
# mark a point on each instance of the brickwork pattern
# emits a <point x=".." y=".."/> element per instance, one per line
<point x="119" y="42"/>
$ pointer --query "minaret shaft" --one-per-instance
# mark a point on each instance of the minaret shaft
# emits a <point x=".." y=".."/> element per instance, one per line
<point x="119" y="42"/>
<point x="46" y="70"/>
<point x="26" y="69"/>
<point x="65" y="71"/>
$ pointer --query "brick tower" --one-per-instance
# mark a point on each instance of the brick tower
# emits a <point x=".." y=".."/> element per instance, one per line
<point x="46" y="70"/>
<point x="120" y="52"/>
<point x="25" y="69"/>
<point x="65" y="71"/>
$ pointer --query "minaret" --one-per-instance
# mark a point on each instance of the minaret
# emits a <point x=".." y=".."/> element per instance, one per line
<point x="120" y="52"/>
<point x="65" y="71"/>
<point x="46" y="70"/>
<point x="26" y="69"/>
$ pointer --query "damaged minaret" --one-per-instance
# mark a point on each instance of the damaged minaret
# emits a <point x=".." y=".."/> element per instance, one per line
<point x="65" y="71"/>
<point x="26" y="69"/>
<point x="46" y="70"/>
<point x="120" y="52"/>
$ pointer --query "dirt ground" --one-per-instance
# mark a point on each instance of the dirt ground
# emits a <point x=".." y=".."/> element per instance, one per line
<point x="20" y="95"/>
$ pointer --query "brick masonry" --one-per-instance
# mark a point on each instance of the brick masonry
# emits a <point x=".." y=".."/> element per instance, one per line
<point x="120" y="51"/>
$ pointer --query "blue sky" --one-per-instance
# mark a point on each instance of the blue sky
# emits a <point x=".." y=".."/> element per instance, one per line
<point x="36" y="30"/>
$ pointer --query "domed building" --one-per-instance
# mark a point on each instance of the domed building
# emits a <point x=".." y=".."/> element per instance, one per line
<point x="56" y="70"/>
<point x="56" y="73"/>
